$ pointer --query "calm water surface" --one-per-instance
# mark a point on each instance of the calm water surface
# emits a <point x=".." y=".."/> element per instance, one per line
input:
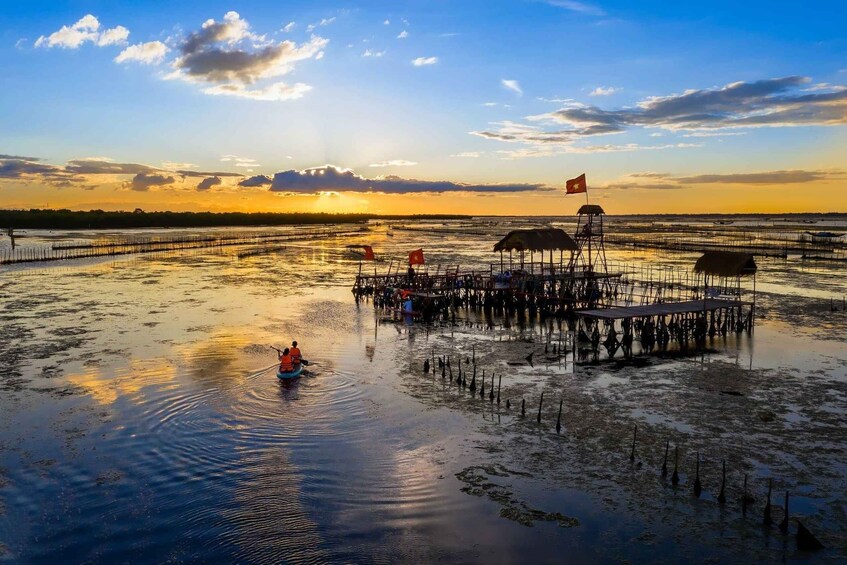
<point x="140" y="420"/>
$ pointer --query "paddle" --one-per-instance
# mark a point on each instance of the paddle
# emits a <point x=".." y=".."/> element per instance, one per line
<point x="303" y="362"/>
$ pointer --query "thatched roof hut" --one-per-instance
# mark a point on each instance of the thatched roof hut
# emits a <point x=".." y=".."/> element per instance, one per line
<point x="548" y="239"/>
<point x="726" y="264"/>
<point x="591" y="209"/>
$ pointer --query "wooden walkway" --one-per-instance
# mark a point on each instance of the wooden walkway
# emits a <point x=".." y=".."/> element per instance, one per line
<point x="662" y="309"/>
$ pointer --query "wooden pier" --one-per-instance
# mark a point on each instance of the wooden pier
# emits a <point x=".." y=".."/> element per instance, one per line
<point x="619" y="309"/>
<point x="662" y="309"/>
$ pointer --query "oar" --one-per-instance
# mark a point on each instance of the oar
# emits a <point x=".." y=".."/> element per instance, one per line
<point x="303" y="362"/>
<point x="265" y="370"/>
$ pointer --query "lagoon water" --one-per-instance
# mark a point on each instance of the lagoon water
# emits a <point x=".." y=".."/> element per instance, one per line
<point x="141" y="419"/>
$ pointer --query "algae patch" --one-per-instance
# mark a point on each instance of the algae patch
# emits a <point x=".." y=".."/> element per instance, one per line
<point x="479" y="481"/>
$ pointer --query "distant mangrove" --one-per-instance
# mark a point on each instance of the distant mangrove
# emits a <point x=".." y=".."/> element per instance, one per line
<point x="100" y="219"/>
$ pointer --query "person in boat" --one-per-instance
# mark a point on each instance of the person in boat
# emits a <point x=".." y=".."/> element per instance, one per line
<point x="285" y="363"/>
<point x="296" y="356"/>
<point x="408" y="307"/>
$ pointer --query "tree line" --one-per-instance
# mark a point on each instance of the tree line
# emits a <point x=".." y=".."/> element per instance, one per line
<point x="100" y="219"/>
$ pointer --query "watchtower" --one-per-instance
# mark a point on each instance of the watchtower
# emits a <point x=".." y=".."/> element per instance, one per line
<point x="590" y="257"/>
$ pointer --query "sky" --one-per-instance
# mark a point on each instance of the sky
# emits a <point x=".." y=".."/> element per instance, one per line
<point x="473" y="107"/>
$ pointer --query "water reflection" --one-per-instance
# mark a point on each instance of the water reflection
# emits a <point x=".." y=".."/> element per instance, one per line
<point x="143" y="401"/>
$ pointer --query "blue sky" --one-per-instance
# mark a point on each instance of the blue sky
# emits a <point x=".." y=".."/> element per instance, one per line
<point x="495" y="74"/>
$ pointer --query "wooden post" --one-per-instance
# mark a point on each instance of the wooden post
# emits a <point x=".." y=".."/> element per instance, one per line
<point x="753" y="308"/>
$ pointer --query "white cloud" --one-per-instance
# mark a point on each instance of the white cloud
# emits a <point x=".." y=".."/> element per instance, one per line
<point x="277" y="91"/>
<point x="714" y="134"/>
<point x="825" y="86"/>
<point x="489" y="104"/>
<point x="394" y="163"/>
<point x="512" y="85"/>
<point x="148" y="53"/>
<point x="71" y="36"/>
<point x="777" y="102"/>
<point x="569" y="101"/>
<point x="115" y="36"/>
<point x="697" y="113"/>
<point x="372" y="53"/>
<point x="234" y="59"/>
<point x="85" y="30"/>
<point x="552" y="151"/>
<point x="575" y="6"/>
<point x="323" y="23"/>
<point x="468" y="154"/>
<point x="240" y="162"/>
<point x="604" y="91"/>
<point x="403" y="34"/>
<point x="20" y="43"/>
<point x="171" y="166"/>
<point x="289" y="26"/>
<point x="421" y="61"/>
<point x="387" y="22"/>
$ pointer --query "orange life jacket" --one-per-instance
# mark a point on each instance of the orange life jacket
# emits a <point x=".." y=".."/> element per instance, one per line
<point x="296" y="356"/>
<point x="285" y="364"/>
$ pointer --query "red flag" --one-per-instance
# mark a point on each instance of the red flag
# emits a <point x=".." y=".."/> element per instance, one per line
<point x="369" y="253"/>
<point x="577" y="185"/>
<point x="416" y="257"/>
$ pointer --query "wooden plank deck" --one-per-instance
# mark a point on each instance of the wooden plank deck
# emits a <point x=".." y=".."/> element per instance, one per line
<point x="661" y="309"/>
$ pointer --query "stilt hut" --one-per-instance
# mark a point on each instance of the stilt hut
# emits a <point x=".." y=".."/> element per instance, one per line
<point x="535" y="241"/>
<point x="722" y="272"/>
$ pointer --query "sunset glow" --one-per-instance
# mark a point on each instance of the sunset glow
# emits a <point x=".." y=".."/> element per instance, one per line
<point x="472" y="107"/>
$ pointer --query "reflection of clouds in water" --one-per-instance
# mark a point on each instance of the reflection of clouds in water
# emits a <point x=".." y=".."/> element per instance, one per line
<point x="214" y="360"/>
<point x="125" y="382"/>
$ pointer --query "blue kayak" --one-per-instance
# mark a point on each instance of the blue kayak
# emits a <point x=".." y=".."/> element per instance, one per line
<point x="289" y="375"/>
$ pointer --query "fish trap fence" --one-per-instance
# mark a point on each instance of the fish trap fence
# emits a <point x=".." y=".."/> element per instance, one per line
<point x="158" y="244"/>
